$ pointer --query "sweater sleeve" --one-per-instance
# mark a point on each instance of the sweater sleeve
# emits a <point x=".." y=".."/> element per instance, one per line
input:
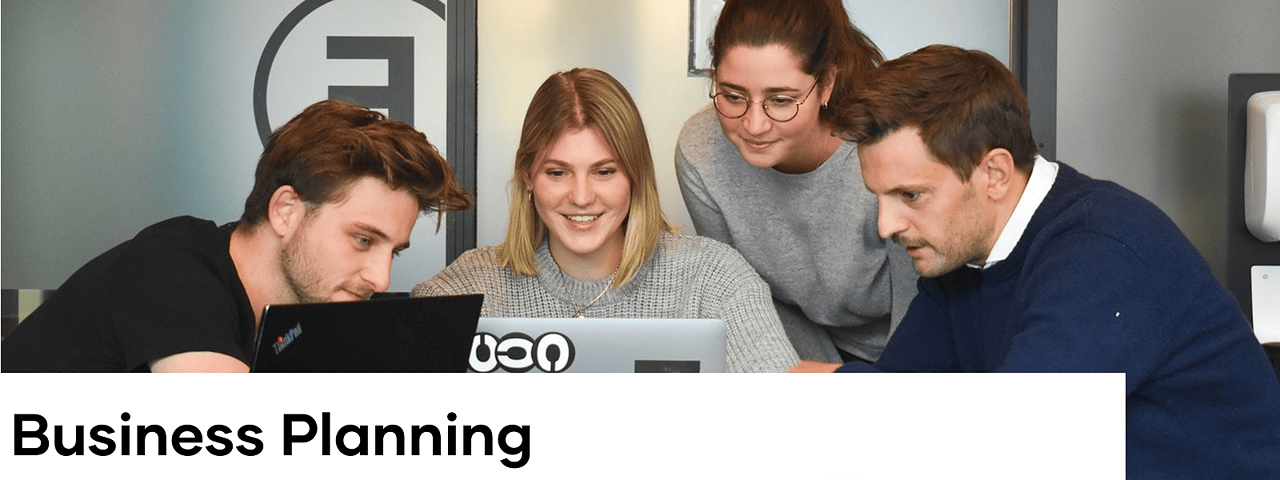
<point x="923" y="342"/>
<point x="756" y="341"/>
<point x="465" y="276"/>
<point x="707" y="218"/>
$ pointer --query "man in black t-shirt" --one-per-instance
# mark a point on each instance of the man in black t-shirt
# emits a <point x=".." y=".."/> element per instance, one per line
<point x="336" y="194"/>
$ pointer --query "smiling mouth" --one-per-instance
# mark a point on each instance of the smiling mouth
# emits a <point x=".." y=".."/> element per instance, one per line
<point x="582" y="218"/>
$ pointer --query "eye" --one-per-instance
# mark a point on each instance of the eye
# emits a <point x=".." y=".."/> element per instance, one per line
<point x="606" y="172"/>
<point x="910" y="195"/>
<point x="362" y="241"/>
<point x="781" y="101"/>
<point x="556" y="173"/>
<point x="733" y="97"/>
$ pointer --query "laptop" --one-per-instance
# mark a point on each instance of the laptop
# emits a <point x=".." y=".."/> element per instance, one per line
<point x="400" y="334"/>
<point x="555" y="345"/>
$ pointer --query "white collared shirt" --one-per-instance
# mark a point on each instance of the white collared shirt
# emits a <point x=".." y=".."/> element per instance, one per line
<point x="1043" y="173"/>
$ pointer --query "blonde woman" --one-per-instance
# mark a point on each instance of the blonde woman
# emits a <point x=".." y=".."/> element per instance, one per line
<point x="587" y="237"/>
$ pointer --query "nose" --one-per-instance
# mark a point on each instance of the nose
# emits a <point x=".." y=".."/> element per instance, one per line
<point x="755" y="121"/>
<point x="581" y="195"/>
<point x="889" y="221"/>
<point x="378" y="272"/>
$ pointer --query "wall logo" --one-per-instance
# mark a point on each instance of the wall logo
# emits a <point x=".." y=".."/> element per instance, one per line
<point x="368" y="51"/>
<point x="517" y="352"/>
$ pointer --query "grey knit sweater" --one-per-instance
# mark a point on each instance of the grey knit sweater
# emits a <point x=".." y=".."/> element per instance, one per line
<point x="687" y="277"/>
<point x="812" y="237"/>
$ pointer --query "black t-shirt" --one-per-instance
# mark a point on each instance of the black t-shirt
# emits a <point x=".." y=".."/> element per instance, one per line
<point x="171" y="289"/>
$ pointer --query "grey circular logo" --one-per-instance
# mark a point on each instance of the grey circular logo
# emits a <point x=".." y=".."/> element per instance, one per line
<point x="397" y="96"/>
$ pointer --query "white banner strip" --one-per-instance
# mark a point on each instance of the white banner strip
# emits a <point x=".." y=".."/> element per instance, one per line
<point x="585" y="425"/>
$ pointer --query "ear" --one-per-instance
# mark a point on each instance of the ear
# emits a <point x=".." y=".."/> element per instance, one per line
<point x="286" y="210"/>
<point x="527" y="183"/>
<point x="829" y="84"/>
<point x="997" y="165"/>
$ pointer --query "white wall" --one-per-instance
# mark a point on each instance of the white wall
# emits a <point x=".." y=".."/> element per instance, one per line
<point x="1142" y="89"/>
<point x="644" y="44"/>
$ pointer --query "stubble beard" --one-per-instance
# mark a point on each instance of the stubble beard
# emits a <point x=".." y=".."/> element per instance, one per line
<point x="941" y="262"/>
<point x="300" y="275"/>
<point x="953" y="255"/>
<point x="928" y="264"/>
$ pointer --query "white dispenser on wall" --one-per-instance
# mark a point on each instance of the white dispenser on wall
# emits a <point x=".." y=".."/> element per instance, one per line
<point x="1262" y="206"/>
<point x="1262" y="166"/>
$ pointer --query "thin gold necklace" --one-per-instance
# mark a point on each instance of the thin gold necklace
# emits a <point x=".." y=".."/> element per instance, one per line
<point x="578" y="312"/>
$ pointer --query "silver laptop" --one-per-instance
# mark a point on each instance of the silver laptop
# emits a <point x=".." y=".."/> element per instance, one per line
<point x="555" y="345"/>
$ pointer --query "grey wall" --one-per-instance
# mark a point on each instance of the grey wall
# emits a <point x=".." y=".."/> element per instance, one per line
<point x="119" y="114"/>
<point x="110" y="124"/>
<point x="1142" y="93"/>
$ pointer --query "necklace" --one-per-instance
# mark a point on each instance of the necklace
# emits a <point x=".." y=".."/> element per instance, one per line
<point x="578" y="312"/>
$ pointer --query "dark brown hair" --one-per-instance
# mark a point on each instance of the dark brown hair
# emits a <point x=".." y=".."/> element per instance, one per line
<point x="333" y="143"/>
<point x="817" y="31"/>
<point x="964" y="102"/>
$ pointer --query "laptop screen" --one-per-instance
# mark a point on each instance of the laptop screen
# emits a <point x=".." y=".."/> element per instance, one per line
<point x="382" y="335"/>
<point x="554" y="345"/>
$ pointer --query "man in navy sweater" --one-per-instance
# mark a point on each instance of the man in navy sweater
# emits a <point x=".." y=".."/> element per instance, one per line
<point x="1031" y="266"/>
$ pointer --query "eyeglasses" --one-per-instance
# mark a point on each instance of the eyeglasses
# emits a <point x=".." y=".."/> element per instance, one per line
<point x="780" y="108"/>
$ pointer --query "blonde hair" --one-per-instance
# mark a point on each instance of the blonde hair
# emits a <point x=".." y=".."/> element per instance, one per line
<point x="570" y="101"/>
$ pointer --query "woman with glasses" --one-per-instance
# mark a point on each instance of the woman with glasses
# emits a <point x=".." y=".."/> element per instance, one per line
<point x="761" y="170"/>
<point x="586" y="235"/>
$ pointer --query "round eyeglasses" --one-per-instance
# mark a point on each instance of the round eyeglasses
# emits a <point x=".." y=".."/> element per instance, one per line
<point x="780" y="108"/>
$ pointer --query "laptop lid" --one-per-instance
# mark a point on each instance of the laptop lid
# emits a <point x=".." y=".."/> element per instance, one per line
<point x="429" y="334"/>
<point x="556" y="345"/>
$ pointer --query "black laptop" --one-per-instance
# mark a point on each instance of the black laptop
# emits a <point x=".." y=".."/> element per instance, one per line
<point x="401" y="334"/>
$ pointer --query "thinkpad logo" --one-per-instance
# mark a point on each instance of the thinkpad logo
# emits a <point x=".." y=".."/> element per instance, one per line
<point x="289" y="337"/>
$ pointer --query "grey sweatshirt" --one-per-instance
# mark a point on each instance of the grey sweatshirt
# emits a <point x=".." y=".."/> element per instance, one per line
<point x="812" y="237"/>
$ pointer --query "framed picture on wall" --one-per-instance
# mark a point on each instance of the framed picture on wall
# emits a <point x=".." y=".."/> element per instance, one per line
<point x="702" y="23"/>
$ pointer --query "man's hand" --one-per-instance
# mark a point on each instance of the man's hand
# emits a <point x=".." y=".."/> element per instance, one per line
<point x="198" y="362"/>
<point x="810" y="366"/>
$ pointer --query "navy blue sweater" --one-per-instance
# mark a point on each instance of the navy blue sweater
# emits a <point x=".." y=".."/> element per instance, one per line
<point x="1103" y="281"/>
